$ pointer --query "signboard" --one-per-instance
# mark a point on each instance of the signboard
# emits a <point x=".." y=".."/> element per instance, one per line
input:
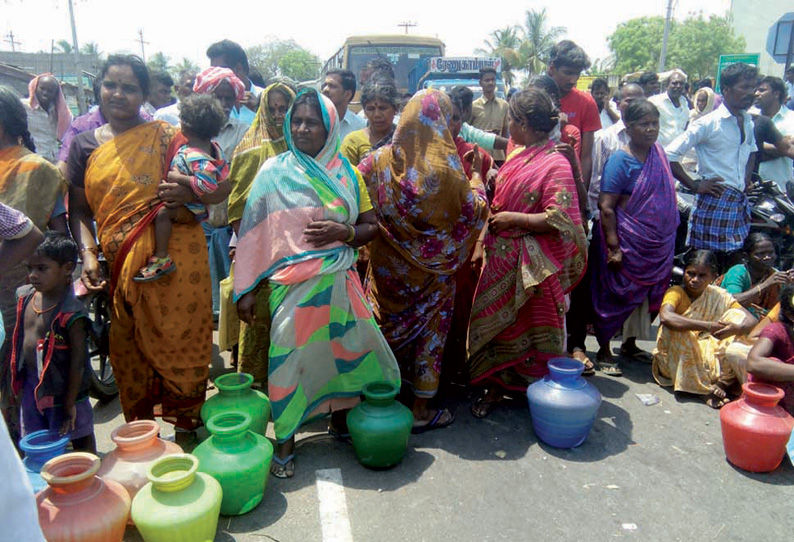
<point x="469" y="64"/>
<point x="727" y="60"/>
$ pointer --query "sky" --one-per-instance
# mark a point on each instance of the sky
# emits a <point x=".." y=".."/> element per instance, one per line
<point x="185" y="29"/>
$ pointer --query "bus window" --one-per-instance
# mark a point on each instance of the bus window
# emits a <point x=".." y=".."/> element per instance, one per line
<point x="402" y="57"/>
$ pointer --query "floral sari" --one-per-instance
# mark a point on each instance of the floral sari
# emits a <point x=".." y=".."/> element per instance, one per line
<point x="263" y="140"/>
<point x="429" y="215"/>
<point x="691" y="361"/>
<point x="518" y="317"/>
<point x="324" y="343"/>
<point x="161" y="332"/>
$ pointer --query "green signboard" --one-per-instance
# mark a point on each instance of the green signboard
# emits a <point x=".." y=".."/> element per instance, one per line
<point x="727" y="60"/>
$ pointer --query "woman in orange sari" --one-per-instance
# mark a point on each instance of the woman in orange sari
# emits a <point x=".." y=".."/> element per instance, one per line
<point x="161" y="332"/>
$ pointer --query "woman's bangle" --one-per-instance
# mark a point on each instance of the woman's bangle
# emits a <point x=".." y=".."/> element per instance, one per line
<point x="92" y="250"/>
<point x="352" y="235"/>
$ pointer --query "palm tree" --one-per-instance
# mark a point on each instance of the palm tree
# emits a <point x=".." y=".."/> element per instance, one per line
<point x="538" y="41"/>
<point x="186" y="65"/>
<point x="504" y="43"/>
<point x="90" y="48"/>
<point x="64" y="46"/>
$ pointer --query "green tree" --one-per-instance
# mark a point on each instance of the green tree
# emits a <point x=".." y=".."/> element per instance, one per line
<point x="283" y="58"/>
<point x="538" y="40"/>
<point x="694" y="44"/>
<point x="90" y="48"/>
<point x="697" y="43"/>
<point x="186" y="65"/>
<point x="159" y="62"/>
<point x="504" y="43"/>
<point x="64" y="46"/>
<point x="637" y="43"/>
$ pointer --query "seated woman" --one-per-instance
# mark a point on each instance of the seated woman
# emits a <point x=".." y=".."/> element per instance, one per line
<point x="380" y="101"/>
<point x="699" y="321"/>
<point x="756" y="284"/>
<point x="771" y="360"/>
<point x="306" y="212"/>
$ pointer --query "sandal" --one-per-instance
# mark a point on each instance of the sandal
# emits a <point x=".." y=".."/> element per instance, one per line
<point x="610" y="369"/>
<point x="155" y="268"/>
<point x="283" y="468"/>
<point x="434" y="423"/>
<point x="589" y="366"/>
<point x="481" y="408"/>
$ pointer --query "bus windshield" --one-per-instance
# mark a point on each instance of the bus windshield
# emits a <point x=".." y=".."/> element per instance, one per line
<point x="402" y="57"/>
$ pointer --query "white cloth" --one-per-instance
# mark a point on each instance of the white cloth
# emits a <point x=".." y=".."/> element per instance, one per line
<point x="672" y="119"/>
<point x="717" y="142"/>
<point x="169" y="114"/>
<point x="18" y="514"/>
<point x="606" y="120"/>
<point x="605" y="142"/>
<point x="43" y="126"/>
<point x="350" y="123"/>
<point x="780" y="170"/>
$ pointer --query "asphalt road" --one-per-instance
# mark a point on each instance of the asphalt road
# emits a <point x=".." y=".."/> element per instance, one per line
<point x="645" y="473"/>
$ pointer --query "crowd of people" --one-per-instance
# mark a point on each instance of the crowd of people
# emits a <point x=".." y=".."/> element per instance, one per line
<point x="430" y="238"/>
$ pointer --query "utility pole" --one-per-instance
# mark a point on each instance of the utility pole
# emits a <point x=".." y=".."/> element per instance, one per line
<point x="407" y="25"/>
<point x="12" y="41"/>
<point x="79" y="72"/>
<point x="140" y="40"/>
<point x="667" y="22"/>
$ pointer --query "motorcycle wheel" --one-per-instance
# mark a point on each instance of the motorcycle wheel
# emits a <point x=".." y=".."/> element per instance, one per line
<point x="103" y="385"/>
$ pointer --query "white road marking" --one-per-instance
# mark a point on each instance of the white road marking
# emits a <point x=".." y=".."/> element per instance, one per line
<point x="333" y="506"/>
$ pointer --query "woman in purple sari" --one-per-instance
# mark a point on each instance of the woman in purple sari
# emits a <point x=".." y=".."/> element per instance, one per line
<point x="635" y="241"/>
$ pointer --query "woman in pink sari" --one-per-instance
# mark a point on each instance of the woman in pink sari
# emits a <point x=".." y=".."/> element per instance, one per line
<point x="535" y="253"/>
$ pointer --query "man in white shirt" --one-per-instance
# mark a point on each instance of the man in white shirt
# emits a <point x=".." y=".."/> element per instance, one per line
<point x="724" y="143"/>
<point x="673" y="109"/>
<point x="48" y="115"/>
<point x="340" y="87"/>
<point x="609" y="140"/>
<point x="769" y="98"/>
<point x="183" y="89"/>
<point x="599" y="90"/>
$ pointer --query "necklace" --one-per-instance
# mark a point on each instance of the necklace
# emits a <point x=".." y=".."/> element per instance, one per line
<point x="39" y="312"/>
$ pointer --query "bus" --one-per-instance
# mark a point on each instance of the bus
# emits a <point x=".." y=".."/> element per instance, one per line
<point x="402" y="50"/>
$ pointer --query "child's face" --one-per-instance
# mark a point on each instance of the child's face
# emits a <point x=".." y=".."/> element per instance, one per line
<point x="46" y="275"/>
<point x="697" y="278"/>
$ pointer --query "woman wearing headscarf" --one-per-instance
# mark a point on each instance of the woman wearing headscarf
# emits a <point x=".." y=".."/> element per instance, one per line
<point x="429" y="215"/>
<point x="224" y="85"/>
<point x="306" y="212"/>
<point x="264" y="140"/>
<point x="704" y="103"/>
<point x="535" y="254"/>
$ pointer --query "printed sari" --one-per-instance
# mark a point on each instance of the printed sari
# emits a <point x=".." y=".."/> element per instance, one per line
<point x="263" y="140"/>
<point x="161" y="332"/>
<point x="325" y="345"/>
<point x="429" y="215"/>
<point x="691" y="361"/>
<point x="518" y="316"/>
<point x="646" y="233"/>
